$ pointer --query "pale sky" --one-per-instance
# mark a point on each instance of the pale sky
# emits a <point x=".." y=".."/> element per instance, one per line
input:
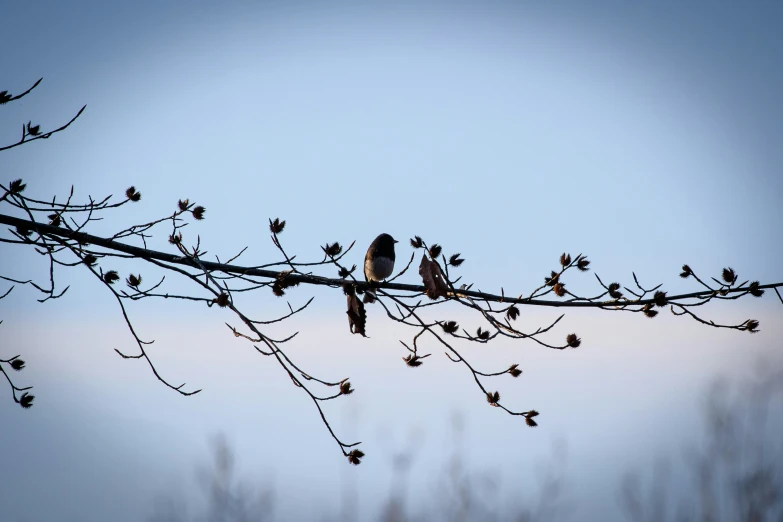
<point x="645" y="136"/>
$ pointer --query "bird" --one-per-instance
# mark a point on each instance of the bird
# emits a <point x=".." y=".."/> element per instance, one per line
<point x="378" y="262"/>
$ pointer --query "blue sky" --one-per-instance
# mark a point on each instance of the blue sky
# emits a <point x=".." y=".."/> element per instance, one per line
<point x="645" y="136"/>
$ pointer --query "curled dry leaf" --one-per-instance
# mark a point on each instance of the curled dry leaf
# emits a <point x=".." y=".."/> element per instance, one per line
<point x="357" y="315"/>
<point x="433" y="278"/>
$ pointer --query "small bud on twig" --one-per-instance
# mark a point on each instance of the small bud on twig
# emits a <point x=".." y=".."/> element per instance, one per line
<point x="198" y="212"/>
<point x="17" y="186"/>
<point x="26" y="400"/>
<point x="345" y="388"/>
<point x="132" y="195"/>
<point x="276" y="226"/>
<point x="614" y="291"/>
<point x="355" y="456"/>
<point x="412" y="360"/>
<point x="493" y="398"/>
<point x="455" y="260"/>
<point x="450" y="327"/>
<point x="133" y="281"/>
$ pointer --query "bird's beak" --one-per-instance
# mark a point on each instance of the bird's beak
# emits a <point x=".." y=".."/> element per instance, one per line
<point x="395" y="240"/>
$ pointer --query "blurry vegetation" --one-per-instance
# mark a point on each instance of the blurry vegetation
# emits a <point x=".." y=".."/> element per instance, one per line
<point x="735" y="474"/>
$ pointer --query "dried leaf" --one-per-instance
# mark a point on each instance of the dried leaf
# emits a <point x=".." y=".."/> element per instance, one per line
<point x="433" y="278"/>
<point x="357" y="315"/>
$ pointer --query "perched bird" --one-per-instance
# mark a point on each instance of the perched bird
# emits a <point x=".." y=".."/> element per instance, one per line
<point x="379" y="262"/>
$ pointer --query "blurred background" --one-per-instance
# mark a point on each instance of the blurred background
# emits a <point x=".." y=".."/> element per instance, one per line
<point x="645" y="136"/>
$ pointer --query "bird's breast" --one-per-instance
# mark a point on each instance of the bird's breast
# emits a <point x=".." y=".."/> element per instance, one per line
<point x="378" y="269"/>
